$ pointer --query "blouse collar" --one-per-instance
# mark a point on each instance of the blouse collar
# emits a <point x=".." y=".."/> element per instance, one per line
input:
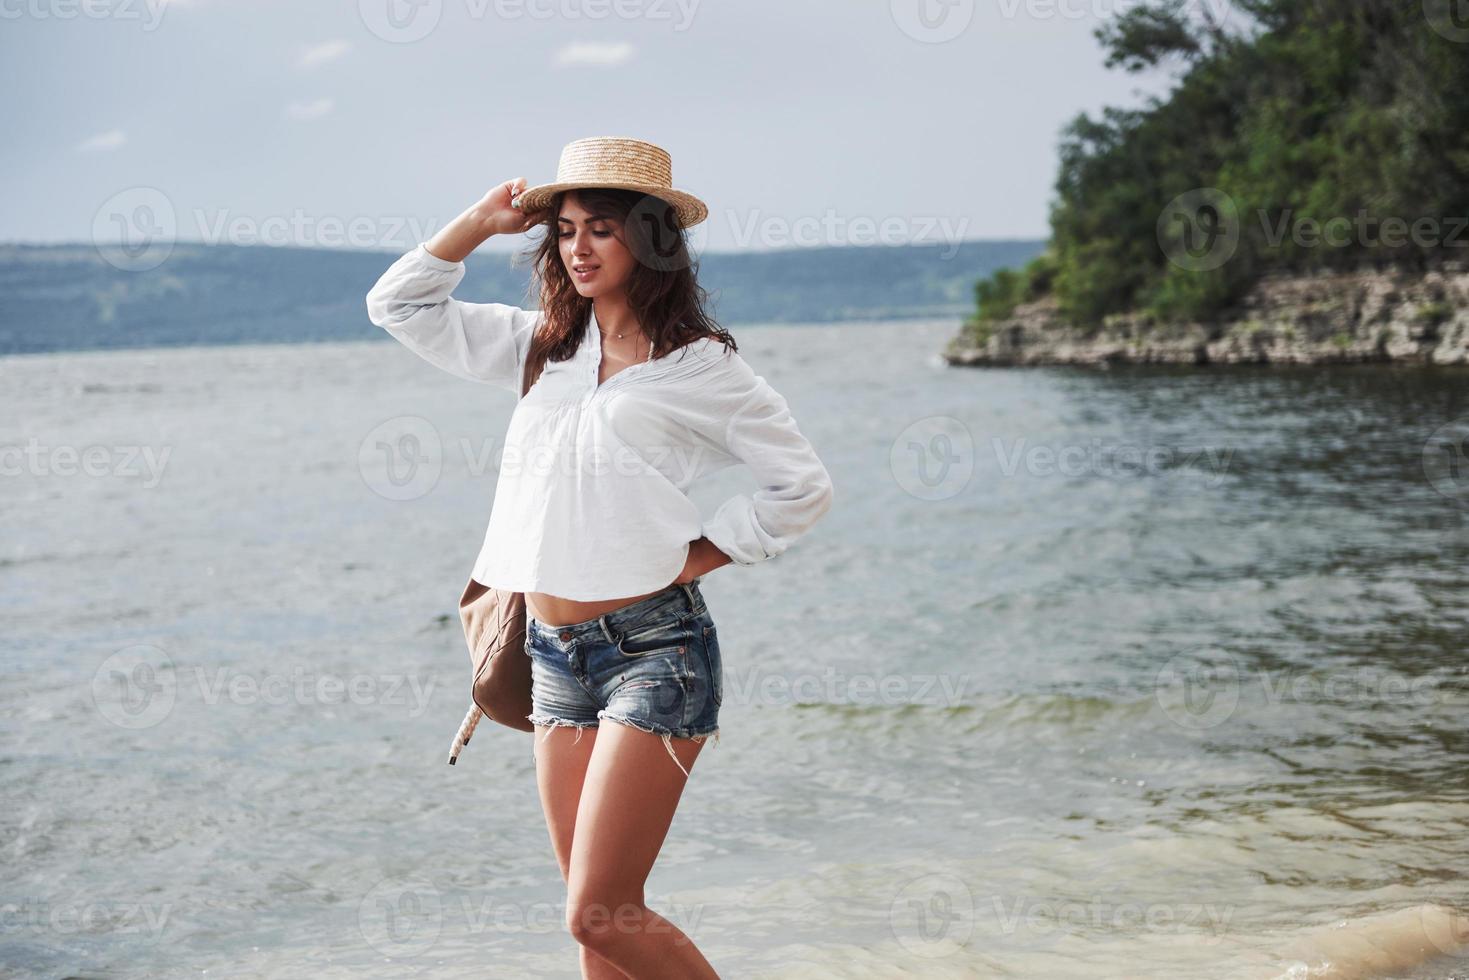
<point x="686" y="361"/>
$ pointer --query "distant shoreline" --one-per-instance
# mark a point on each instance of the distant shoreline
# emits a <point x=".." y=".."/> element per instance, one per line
<point x="70" y="298"/>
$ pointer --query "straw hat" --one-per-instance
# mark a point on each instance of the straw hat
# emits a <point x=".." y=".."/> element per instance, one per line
<point x="613" y="161"/>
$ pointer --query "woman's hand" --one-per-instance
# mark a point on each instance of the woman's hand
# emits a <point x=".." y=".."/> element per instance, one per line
<point x="490" y="215"/>
<point x="703" y="558"/>
<point x="498" y="216"/>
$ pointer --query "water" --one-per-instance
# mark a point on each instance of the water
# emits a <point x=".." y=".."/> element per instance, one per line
<point x="1172" y="715"/>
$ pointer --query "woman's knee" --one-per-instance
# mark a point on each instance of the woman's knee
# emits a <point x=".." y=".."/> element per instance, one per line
<point x="602" y="922"/>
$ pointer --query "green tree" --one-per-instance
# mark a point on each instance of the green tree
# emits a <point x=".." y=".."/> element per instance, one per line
<point x="1347" y="117"/>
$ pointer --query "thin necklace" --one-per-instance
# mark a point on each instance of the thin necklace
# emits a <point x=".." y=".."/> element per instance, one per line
<point x="620" y="336"/>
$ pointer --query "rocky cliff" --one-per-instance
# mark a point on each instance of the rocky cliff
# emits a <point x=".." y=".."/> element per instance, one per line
<point x="1418" y="318"/>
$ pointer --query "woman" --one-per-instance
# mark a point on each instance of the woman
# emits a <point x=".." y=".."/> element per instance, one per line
<point x="590" y="518"/>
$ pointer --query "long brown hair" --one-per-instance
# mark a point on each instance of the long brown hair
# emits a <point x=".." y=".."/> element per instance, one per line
<point x="663" y="291"/>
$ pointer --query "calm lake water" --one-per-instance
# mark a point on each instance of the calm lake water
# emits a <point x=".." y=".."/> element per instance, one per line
<point x="1086" y="674"/>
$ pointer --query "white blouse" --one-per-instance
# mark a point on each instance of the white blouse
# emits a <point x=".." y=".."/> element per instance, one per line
<point x="590" y="502"/>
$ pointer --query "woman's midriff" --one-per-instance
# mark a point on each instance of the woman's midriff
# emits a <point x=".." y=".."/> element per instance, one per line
<point x="556" y="611"/>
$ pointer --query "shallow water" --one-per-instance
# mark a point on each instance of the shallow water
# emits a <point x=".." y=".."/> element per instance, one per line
<point x="1176" y="701"/>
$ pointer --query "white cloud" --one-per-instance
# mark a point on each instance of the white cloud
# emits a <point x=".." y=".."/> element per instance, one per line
<point x="309" y="110"/>
<point x="317" y="54"/>
<point x="600" y="55"/>
<point x="109" y="140"/>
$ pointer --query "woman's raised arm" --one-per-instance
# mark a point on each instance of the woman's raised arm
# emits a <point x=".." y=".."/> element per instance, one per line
<point x="484" y="342"/>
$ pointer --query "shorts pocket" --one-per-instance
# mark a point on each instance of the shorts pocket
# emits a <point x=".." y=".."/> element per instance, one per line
<point x="715" y="663"/>
<point x="672" y="635"/>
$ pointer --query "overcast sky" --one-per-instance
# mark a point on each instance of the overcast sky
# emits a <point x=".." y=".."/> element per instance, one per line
<point x="369" y="123"/>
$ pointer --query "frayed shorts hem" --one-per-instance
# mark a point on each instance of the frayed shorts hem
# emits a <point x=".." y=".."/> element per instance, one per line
<point x="667" y="734"/>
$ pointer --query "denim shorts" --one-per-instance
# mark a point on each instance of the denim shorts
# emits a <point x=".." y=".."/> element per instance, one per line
<point x="653" y="664"/>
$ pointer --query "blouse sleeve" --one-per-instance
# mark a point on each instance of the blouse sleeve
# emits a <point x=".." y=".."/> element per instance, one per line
<point x="795" y="488"/>
<point x="485" y="342"/>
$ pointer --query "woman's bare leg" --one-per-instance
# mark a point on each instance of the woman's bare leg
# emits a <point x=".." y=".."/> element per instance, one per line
<point x="561" y="765"/>
<point x="631" y="790"/>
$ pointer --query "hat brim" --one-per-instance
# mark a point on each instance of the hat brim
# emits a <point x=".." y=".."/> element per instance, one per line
<point x="687" y="208"/>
